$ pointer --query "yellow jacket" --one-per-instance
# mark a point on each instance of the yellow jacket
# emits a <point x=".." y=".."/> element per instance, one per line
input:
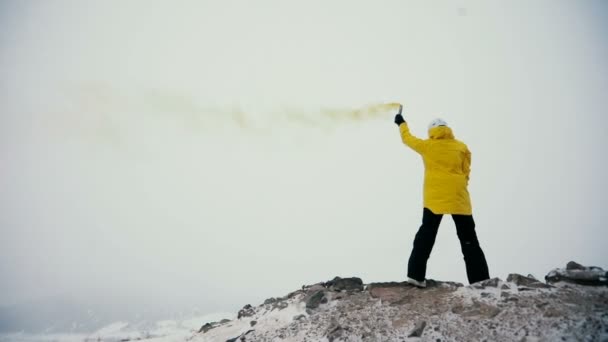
<point x="447" y="165"/>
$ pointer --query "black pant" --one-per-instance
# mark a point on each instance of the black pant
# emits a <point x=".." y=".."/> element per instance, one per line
<point x="475" y="260"/>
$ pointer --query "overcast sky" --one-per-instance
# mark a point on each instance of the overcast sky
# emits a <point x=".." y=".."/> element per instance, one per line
<point x="183" y="152"/>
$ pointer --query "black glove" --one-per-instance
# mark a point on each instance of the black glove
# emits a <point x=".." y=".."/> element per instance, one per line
<point x="399" y="118"/>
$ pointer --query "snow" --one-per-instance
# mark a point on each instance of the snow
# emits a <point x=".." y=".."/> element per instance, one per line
<point x="161" y="331"/>
<point x="268" y="320"/>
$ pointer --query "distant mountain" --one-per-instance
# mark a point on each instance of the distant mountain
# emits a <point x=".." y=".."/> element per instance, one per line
<point x="65" y="314"/>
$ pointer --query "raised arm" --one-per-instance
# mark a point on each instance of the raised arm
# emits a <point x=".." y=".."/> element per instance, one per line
<point x="410" y="140"/>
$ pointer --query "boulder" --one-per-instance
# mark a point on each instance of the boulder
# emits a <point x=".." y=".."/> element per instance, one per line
<point x="523" y="281"/>
<point x="246" y="311"/>
<point x="315" y="299"/>
<point x="345" y="284"/>
<point x="578" y="274"/>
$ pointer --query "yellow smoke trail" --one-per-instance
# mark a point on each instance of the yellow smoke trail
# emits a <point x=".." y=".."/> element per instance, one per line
<point x="374" y="111"/>
<point x="100" y="112"/>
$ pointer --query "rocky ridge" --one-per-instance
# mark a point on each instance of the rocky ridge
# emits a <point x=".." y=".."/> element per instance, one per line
<point x="571" y="305"/>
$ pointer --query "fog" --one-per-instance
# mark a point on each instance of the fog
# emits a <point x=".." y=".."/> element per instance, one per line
<point x="210" y="154"/>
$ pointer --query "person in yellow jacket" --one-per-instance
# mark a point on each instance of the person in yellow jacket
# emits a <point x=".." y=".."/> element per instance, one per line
<point x="447" y="167"/>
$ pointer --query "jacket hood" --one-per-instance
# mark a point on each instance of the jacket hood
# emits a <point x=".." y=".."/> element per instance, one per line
<point x="441" y="132"/>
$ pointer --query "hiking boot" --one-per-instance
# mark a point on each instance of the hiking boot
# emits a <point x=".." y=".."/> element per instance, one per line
<point x="420" y="284"/>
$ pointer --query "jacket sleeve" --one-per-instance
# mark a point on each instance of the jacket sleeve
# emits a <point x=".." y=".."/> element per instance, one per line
<point x="413" y="142"/>
<point x="466" y="167"/>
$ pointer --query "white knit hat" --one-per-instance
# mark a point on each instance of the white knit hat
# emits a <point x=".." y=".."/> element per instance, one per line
<point x="437" y="122"/>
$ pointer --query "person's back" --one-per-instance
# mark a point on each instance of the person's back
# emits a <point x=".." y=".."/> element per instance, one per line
<point x="447" y="164"/>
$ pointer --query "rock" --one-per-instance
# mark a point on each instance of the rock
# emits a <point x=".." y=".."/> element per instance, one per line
<point x="478" y="309"/>
<point x="246" y="311"/>
<point x="578" y="274"/>
<point x="487" y="283"/>
<point x="450" y="284"/>
<point x="572" y="265"/>
<point x="314" y="287"/>
<point x="521" y="280"/>
<point x="241" y="337"/>
<point x="396" y="293"/>
<point x="430" y="283"/>
<point x="345" y="284"/>
<point x="392" y="311"/>
<point x="418" y="329"/>
<point x="279" y="305"/>
<point x="334" y="331"/>
<point x="372" y="286"/>
<point x="315" y="300"/>
<point x="206" y="327"/>
<point x="270" y="300"/>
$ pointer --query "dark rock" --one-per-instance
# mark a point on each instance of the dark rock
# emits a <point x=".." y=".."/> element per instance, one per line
<point x="418" y="329"/>
<point x="315" y="300"/>
<point x="572" y="265"/>
<point x="345" y="284"/>
<point x="521" y="280"/>
<point x="241" y="337"/>
<point x="270" y="300"/>
<point x="578" y="274"/>
<point x="252" y="323"/>
<point x="246" y="311"/>
<point x="206" y="327"/>
<point x="299" y="317"/>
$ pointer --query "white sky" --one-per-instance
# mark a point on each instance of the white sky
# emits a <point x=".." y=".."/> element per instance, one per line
<point x="176" y="151"/>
